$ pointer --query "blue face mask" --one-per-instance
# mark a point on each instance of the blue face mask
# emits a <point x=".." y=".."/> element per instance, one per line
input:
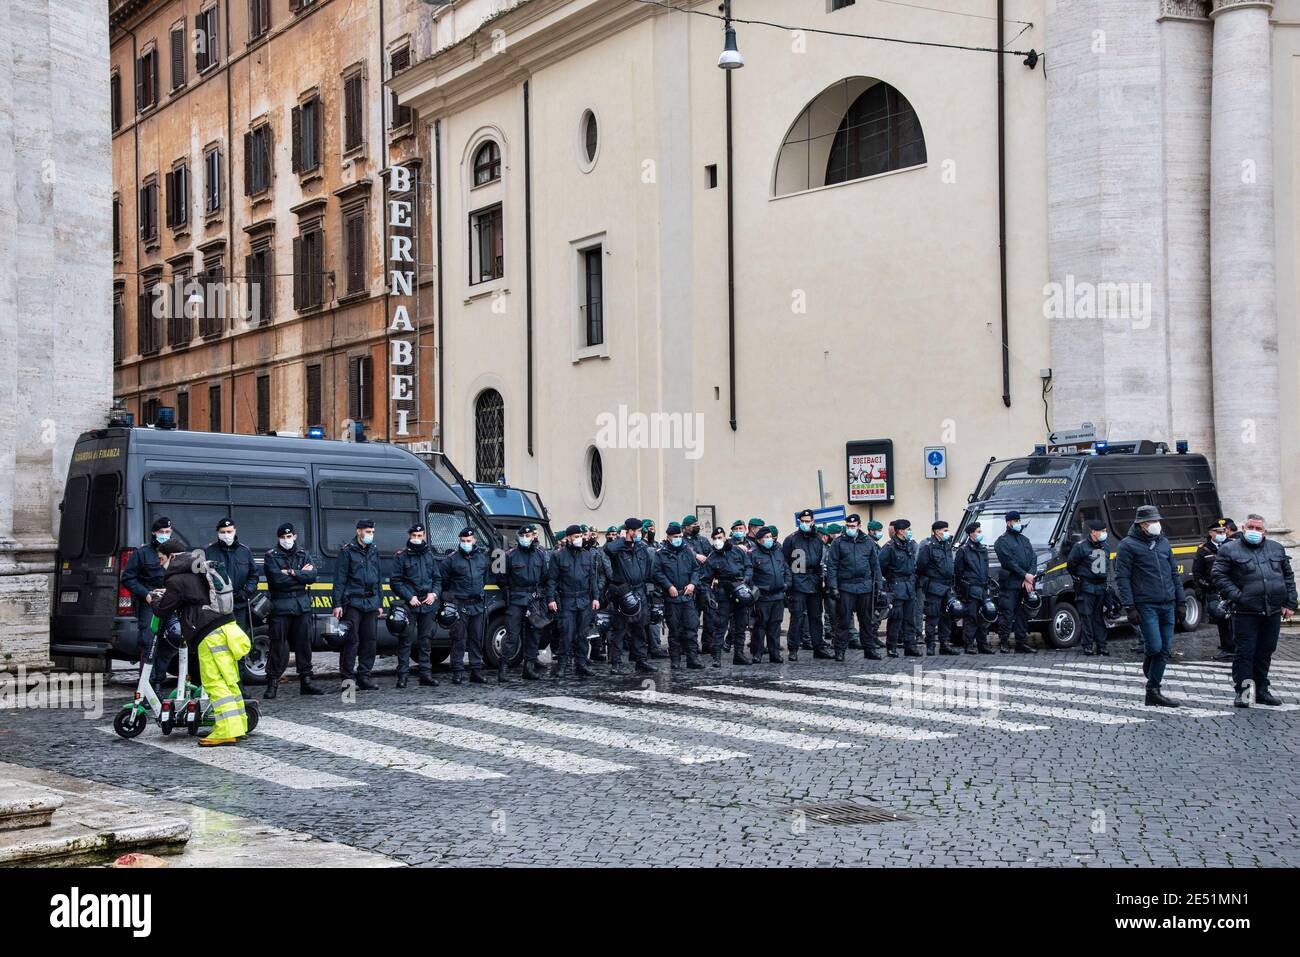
<point x="161" y="537"/>
<point x="978" y="537"/>
<point x="1252" y="536"/>
<point x="908" y="534"/>
<point x="738" y="534"/>
<point x="805" y="526"/>
<point x="944" y="536"/>
<point x="636" y="536"/>
<point x="367" y="538"/>
<point x="1016" y="526"/>
<point x="466" y="546"/>
<point x="850" y="533"/>
<point x="524" y="542"/>
<point x="769" y="542"/>
<point x="878" y="535"/>
<point x="677" y="542"/>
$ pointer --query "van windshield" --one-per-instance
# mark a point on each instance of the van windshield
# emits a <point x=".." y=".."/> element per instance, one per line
<point x="1036" y="481"/>
<point x="1038" y="526"/>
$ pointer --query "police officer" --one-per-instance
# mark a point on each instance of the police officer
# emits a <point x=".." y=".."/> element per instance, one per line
<point x="631" y="563"/>
<point x="237" y="559"/>
<point x="692" y="537"/>
<point x="1018" y="567"/>
<point x="599" y="646"/>
<point x="728" y="566"/>
<point x="772" y="580"/>
<point x="358" y="597"/>
<point x="654" y="629"/>
<point x="466" y="573"/>
<point x="804" y="552"/>
<point x="853" y="578"/>
<point x="970" y="568"/>
<point x="1254" y="574"/>
<point x="735" y="635"/>
<point x="677" y="573"/>
<point x="898" y="567"/>
<point x="756" y="526"/>
<point x="880" y="606"/>
<point x="525" y="571"/>
<point x="1150" y="589"/>
<point x="573" y="593"/>
<point x="1089" y="564"/>
<point x="935" y="576"/>
<point x="416" y="582"/>
<point x="289" y="571"/>
<point x="142" y="576"/>
<point x="1215" y="538"/>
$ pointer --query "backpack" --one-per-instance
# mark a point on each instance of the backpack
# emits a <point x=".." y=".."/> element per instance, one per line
<point x="221" y="596"/>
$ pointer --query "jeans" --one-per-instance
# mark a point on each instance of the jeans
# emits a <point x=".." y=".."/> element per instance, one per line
<point x="1254" y="640"/>
<point x="1157" y="624"/>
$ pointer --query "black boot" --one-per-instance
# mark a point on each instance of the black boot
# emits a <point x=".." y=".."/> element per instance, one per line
<point x="457" y="678"/>
<point x="821" y="654"/>
<point x="401" y="681"/>
<point x="932" y="650"/>
<point x="912" y="652"/>
<point x="1264" y="696"/>
<point x="428" y="681"/>
<point x="1157" y="700"/>
<point x="306" y="687"/>
<point x="618" y="668"/>
<point x="365" y="684"/>
<point x="581" y="670"/>
<point x="839" y="655"/>
<point x="476" y="677"/>
<point x="986" y="650"/>
<point x="740" y="658"/>
<point x="645" y="667"/>
<point x="892" y="652"/>
<point x="1103" y="651"/>
<point x="272" y="689"/>
<point x="948" y="650"/>
<point x="530" y="671"/>
<point x="971" y="649"/>
<point x="503" y="674"/>
<point x="774" y="659"/>
<point x="1026" y="650"/>
<point x="1088" y="651"/>
<point x="657" y="652"/>
<point x="717" y="659"/>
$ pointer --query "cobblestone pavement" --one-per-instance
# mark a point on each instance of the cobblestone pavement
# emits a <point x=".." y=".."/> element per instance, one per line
<point x="1011" y="760"/>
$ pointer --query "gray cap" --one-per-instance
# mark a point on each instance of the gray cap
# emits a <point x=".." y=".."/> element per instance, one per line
<point x="1147" y="513"/>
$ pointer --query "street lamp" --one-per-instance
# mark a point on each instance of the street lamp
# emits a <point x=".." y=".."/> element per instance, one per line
<point x="730" y="58"/>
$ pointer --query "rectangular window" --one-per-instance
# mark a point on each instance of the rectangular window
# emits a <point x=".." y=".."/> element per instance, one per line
<point x="359" y="388"/>
<point x="119" y="322"/>
<point x="149" y="318"/>
<point x="180" y="326"/>
<point x="214" y="408"/>
<point x="259" y="18"/>
<point x="183" y="410"/>
<point x="313" y="396"/>
<point x="486" y="243"/>
<point x="149" y="212"/>
<point x="212" y="180"/>
<point x="263" y="404"/>
<point x="353" y="113"/>
<point x="257" y="160"/>
<point x="101" y="525"/>
<point x="115" y="96"/>
<point x="178" y="56"/>
<point x="308" y="268"/>
<point x="305" y="121"/>
<point x="178" y="196"/>
<point x="592" y="312"/>
<point x="146" y="80"/>
<point x="711" y="176"/>
<point x="149" y="411"/>
<point x="207" y="51"/>
<point x="117" y="228"/>
<point x="354" y="239"/>
<point x="213" y="321"/>
<point x="260" y="275"/>
<point x="398" y="61"/>
<point x="393" y="507"/>
<point x="72" y="524"/>
<point x="841" y="4"/>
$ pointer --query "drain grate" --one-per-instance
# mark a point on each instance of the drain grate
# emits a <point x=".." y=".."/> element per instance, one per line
<point x="846" y="812"/>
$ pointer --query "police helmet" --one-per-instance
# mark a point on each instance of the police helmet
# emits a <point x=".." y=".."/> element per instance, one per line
<point x="260" y="607"/>
<point x="656" y="614"/>
<point x="954" y="607"/>
<point x="1218" y="609"/>
<point x="629" y="604"/>
<point x="448" y="614"/>
<point x="538" y="615"/>
<point x="1033" y="601"/>
<point x="989" y="610"/>
<point x="743" y="594"/>
<point x="397" y="620"/>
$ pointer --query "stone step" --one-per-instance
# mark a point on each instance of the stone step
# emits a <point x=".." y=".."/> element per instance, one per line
<point x="26" y="806"/>
<point x="70" y="842"/>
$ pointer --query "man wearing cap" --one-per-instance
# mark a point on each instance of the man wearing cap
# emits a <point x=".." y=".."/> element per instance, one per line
<point x="289" y="574"/>
<point x="240" y="567"/>
<point x="772" y="581"/>
<point x="654" y="629"/>
<point x="1018" y="566"/>
<point x="935" y="576"/>
<point x="740" y="538"/>
<point x="898" y="567"/>
<point x="879" y="607"/>
<point x="804" y="552"/>
<point x="853" y="578"/>
<point x="728" y="566"/>
<point x="1089" y="565"/>
<point x="526" y="568"/>
<point x="756" y="525"/>
<point x="358" y="597"/>
<point x="631" y="570"/>
<point x="970" y="567"/>
<point x="573" y="593"/>
<point x="1150" y="589"/>
<point x="691" y="535"/>
<point x="1206" y="552"/>
<point x="677" y="574"/>
<point x="1254" y="574"/>
<point x="142" y="576"/>
<point x="466" y="574"/>
<point x="416" y="582"/>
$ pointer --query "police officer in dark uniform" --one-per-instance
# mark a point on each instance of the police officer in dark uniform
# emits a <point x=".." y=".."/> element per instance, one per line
<point x="525" y="580"/>
<point x="935" y="576"/>
<point x="677" y="573"/>
<point x="1089" y="565"/>
<point x="466" y="572"/>
<point x="804" y="552"/>
<point x="727" y="566"/>
<point x="970" y="568"/>
<point x="654" y="629"/>
<point x="1018" y="567"/>
<point x="853" y="578"/>
<point x="1206" y="552"/>
<point x="632" y="568"/>
<point x="880" y="606"/>
<point x="898" y="567"/>
<point x="142" y="576"/>
<point x="241" y="568"/>
<point x="772" y="580"/>
<point x="599" y="650"/>
<point x="573" y="592"/>
<point x="358" y="596"/>
<point x="416" y="582"/>
<point x="289" y="571"/>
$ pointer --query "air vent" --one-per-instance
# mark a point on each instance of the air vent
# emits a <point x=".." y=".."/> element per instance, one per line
<point x="847" y="813"/>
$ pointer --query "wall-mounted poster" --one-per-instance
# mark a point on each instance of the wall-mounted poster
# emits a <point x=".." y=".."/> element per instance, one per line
<point x="869" y="465"/>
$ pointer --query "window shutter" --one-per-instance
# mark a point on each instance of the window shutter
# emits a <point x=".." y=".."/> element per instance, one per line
<point x="153" y="76"/>
<point x="317" y="271"/>
<point x="141" y="326"/>
<point x="117" y="225"/>
<point x="139" y="84"/>
<point x="249" y="160"/>
<point x="318" y="131"/>
<point x="354" y="388"/>
<point x="356" y="250"/>
<point x="214" y="38"/>
<point x="296" y="126"/>
<point x="298" y="266"/>
<point x="313" y="396"/>
<point x="178" y="58"/>
<point x="115" y="96"/>
<point x="143" y="213"/>
<point x="367" y="366"/>
<point x="201" y="44"/>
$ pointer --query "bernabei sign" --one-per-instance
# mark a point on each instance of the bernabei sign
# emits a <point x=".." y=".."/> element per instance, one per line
<point x="401" y="282"/>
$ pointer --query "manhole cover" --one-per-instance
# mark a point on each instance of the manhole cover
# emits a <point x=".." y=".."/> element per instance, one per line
<point x="846" y="812"/>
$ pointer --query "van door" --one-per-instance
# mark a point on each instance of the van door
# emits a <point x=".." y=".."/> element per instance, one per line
<point x="87" y="595"/>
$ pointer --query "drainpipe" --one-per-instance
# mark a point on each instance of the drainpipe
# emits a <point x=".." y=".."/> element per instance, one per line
<point x="528" y="259"/>
<point x="230" y="205"/>
<point x="731" y="259"/>
<point x="1002" y="208"/>
<point x="135" y="132"/>
<point x="441" y="344"/>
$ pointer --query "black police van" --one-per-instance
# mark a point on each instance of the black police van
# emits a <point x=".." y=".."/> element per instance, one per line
<point x="121" y="478"/>
<point x="1058" y="495"/>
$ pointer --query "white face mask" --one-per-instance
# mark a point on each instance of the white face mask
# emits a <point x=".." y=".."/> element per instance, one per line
<point x="287" y="541"/>
<point x="1102" y="536"/>
<point x="1153" y="528"/>
<point x="719" y="542"/>
<point x="227" y="538"/>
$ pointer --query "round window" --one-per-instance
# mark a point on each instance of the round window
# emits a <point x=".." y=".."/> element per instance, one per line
<point x="595" y="473"/>
<point x="590" y="137"/>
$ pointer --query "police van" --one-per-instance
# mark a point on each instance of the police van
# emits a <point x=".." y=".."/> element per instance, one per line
<point x="1057" y="496"/>
<point x="121" y="478"/>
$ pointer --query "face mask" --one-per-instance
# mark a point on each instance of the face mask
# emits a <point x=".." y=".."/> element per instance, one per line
<point x="878" y="535"/>
<point x="227" y="538"/>
<point x="850" y="533"/>
<point x="1153" y="528"/>
<point x="977" y="537"/>
<point x="677" y="542"/>
<point x="768" y="543"/>
<point x="161" y="537"/>
<point x="636" y="536"/>
<point x="908" y="534"/>
<point x="287" y="542"/>
<point x="1253" y="536"/>
<point x="1016" y="526"/>
<point x="466" y="546"/>
<point x="575" y="543"/>
<point x="524" y="542"/>
<point x="1102" y="536"/>
<point x="718" y="543"/>
<point x="415" y="543"/>
<point x="738" y="534"/>
<point x="1220" y="539"/>
<point x="367" y="538"/>
<point x="945" y="536"/>
<point x="805" y="526"/>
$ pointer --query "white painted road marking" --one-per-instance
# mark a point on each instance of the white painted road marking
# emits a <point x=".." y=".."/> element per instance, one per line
<point x="1041" y="676"/>
<point x="1175" y="674"/>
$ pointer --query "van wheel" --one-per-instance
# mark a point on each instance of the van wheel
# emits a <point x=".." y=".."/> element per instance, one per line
<point x="252" y="667"/>
<point x="1193" y="614"/>
<point x="1063" y="627"/>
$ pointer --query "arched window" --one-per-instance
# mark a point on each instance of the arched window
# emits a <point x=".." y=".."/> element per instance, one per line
<point x="489" y="436"/>
<point x="856" y="128"/>
<point x="487" y="163"/>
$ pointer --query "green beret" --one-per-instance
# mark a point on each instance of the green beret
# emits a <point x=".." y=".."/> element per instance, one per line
<point x="690" y="520"/>
<point x="738" y="523"/>
<point x="772" y="529"/>
<point x="612" y="528"/>
<point x="834" y="529"/>
<point x="648" y="523"/>
<point x="757" y="521"/>
<point x="874" y="526"/>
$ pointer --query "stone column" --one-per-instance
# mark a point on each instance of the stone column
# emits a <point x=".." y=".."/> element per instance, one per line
<point x="1242" y="274"/>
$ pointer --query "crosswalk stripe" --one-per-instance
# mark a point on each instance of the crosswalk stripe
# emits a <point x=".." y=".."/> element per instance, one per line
<point x="870" y="707"/>
<point x="657" y="747"/>
<point x="372" y="752"/>
<point x="1135" y="686"/>
<point x="936" y="701"/>
<point x="241" y="759"/>
<point x="690" y="722"/>
<point x="1180" y="675"/>
<point x="1006" y="686"/>
<point x="1291" y="668"/>
<point x="551" y="758"/>
<point x="808" y="718"/>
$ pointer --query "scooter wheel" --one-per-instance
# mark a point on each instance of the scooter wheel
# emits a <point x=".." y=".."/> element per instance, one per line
<point x="252" y="713"/>
<point x="129" y="722"/>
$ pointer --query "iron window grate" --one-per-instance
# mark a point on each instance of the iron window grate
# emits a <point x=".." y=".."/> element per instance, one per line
<point x="843" y="813"/>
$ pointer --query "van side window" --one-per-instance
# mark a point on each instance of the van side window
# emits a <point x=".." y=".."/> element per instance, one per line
<point x="444" y="524"/>
<point x="258" y="510"/>
<point x="101" y="519"/>
<point x="72" y="526"/>
<point x="196" y="503"/>
<point x="394" y="510"/>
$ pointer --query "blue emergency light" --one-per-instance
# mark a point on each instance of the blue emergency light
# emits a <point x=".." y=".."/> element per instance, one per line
<point x="1100" y="447"/>
<point x="315" y="432"/>
<point x="1182" y="446"/>
<point x="166" y="418"/>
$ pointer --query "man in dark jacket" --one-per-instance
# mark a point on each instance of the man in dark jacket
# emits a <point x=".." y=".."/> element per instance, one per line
<point x="1089" y="565"/>
<point x="466" y="574"/>
<point x="573" y="590"/>
<point x="142" y="576"/>
<point x="1018" y="567"/>
<point x="600" y="638"/>
<point x="772" y="580"/>
<point x="804" y="552"/>
<point x="358" y="598"/>
<point x="526" y="568"/>
<point x="1254" y="574"/>
<point x="632" y="568"/>
<point x="1150" y="589"/>
<point x="935" y="577"/>
<point x="898" y="568"/>
<point x="289" y="571"/>
<point x="1202" y="566"/>
<point x="853" y="576"/>
<point x="677" y="572"/>
<point x="416" y="582"/>
<point x="240" y="567"/>
<point x="728" y="566"/>
<point x="970" y="567"/>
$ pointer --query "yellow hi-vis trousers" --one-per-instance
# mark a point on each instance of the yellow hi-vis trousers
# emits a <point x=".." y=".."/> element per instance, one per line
<point x="219" y="655"/>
